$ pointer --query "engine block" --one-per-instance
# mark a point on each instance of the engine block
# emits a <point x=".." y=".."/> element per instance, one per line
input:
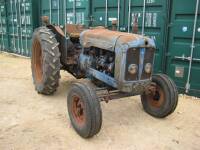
<point x="121" y="60"/>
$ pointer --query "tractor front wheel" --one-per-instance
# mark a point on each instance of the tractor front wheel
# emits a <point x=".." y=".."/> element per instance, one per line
<point x="84" y="109"/>
<point x="164" y="98"/>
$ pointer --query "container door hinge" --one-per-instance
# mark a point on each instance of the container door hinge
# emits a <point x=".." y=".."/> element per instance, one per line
<point x="192" y="46"/>
<point x="187" y="87"/>
<point x="168" y="54"/>
<point x="170" y="25"/>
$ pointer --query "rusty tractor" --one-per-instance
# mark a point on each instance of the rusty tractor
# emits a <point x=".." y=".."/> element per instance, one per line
<point x="108" y="65"/>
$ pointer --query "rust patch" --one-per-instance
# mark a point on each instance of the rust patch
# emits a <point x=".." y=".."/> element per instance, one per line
<point x="37" y="60"/>
<point x="114" y="25"/>
<point x="155" y="96"/>
<point x="78" y="110"/>
<point x="45" y="20"/>
<point x="104" y="38"/>
<point x="59" y="30"/>
<point x="135" y="24"/>
<point x="74" y="30"/>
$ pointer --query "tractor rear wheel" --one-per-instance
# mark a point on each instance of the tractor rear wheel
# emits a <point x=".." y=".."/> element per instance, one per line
<point x="45" y="61"/>
<point x="163" y="101"/>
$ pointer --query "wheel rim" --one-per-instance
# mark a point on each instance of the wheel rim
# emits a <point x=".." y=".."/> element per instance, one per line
<point x="37" y="61"/>
<point x="157" y="98"/>
<point x="78" y="110"/>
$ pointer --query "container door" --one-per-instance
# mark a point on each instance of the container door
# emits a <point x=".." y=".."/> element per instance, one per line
<point x="106" y="11"/>
<point x="149" y="17"/>
<point x="26" y="26"/>
<point x="21" y="23"/>
<point x="52" y="9"/>
<point x="183" y="63"/>
<point x="3" y="27"/>
<point x="13" y="26"/>
<point x="76" y="12"/>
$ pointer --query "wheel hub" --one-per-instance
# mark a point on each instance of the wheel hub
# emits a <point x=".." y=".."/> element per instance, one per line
<point x="155" y="95"/>
<point x="78" y="110"/>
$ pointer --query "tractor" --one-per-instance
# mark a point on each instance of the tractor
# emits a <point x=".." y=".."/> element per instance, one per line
<point x="107" y="64"/>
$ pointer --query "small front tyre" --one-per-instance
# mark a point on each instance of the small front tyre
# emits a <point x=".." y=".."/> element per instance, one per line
<point x="84" y="109"/>
<point x="163" y="101"/>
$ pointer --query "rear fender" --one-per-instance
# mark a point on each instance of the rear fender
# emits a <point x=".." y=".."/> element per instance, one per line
<point x="63" y="42"/>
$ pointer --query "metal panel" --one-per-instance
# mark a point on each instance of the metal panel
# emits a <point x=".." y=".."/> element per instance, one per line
<point x="77" y="12"/>
<point x="3" y="27"/>
<point x="61" y="12"/>
<point x="105" y="11"/>
<point x="21" y="23"/>
<point x="52" y="9"/>
<point x="28" y="23"/>
<point x="149" y="17"/>
<point x="183" y="62"/>
<point x="13" y="26"/>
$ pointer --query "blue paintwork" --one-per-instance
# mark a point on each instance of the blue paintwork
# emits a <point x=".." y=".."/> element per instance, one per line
<point x="103" y="77"/>
<point x="141" y="64"/>
<point x="119" y="47"/>
<point x="141" y="42"/>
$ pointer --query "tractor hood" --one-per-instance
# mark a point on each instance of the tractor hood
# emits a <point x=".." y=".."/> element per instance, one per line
<point x="107" y="39"/>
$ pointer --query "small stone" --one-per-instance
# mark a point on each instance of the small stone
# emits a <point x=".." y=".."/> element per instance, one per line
<point x="175" y="141"/>
<point x="179" y="112"/>
<point x="178" y="128"/>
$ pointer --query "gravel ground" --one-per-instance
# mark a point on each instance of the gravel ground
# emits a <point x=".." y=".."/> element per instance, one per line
<point x="35" y="122"/>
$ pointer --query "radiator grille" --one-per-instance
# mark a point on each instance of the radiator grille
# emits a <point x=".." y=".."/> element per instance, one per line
<point x="133" y="57"/>
<point x="148" y="58"/>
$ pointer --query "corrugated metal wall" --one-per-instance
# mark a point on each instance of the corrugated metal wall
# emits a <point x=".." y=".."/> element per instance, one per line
<point x="3" y="27"/>
<point x="105" y="11"/>
<point x="150" y="17"/>
<point x="18" y="23"/>
<point x="52" y="9"/>
<point x="77" y="12"/>
<point x="66" y="11"/>
<point x="183" y="47"/>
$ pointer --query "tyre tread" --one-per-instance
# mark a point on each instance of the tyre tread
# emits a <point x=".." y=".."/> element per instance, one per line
<point x="51" y="61"/>
<point x="172" y="94"/>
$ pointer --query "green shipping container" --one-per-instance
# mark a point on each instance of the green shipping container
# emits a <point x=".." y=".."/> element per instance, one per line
<point x="77" y="12"/>
<point x="106" y="11"/>
<point x="3" y="27"/>
<point x="183" y="50"/>
<point x="150" y="19"/>
<point x="53" y="9"/>
<point x="61" y="12"/>
<point x="22" y="20"/>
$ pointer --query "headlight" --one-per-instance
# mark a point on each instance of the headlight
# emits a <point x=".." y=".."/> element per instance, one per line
<point x="132" y="69"/>
<point x="148" y="68"/>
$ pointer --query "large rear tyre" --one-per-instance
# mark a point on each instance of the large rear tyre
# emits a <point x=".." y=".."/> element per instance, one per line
<point x="164" y="100"/>
<point x="45" y="61"/>
<point x="84" y="109"/>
